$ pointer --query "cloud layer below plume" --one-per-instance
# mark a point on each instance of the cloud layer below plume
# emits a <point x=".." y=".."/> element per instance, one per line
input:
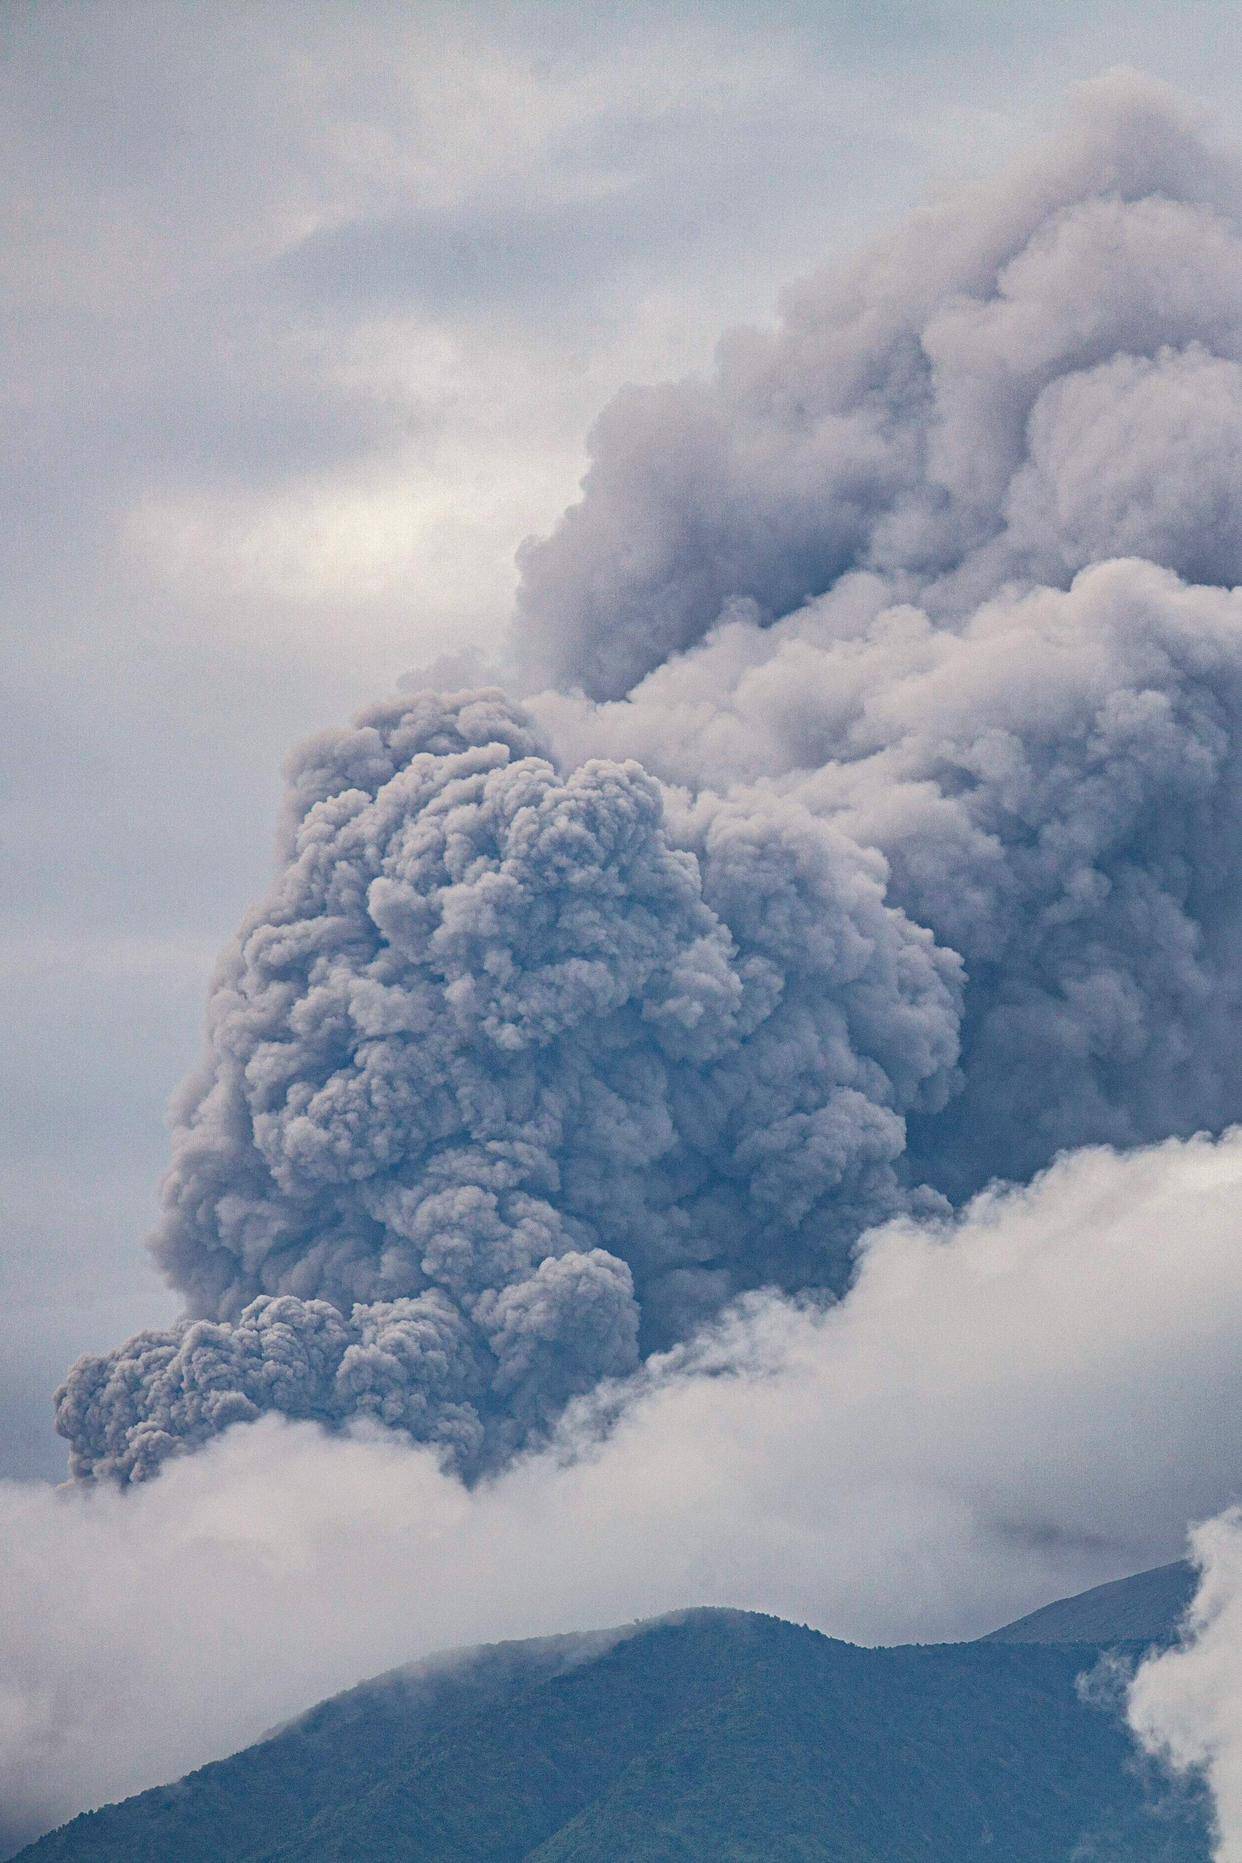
<point x="1002" y="1410"/>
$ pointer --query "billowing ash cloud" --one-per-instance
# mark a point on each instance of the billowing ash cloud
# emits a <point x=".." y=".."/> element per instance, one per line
<point x="1019" y="381"/>
<point x="1056" y="789"/>
<point x="949" y="559"/>
<point x="911" y="639"/>
<point x="505" y="1087"/>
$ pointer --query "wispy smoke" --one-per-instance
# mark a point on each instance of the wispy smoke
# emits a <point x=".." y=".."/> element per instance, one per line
<point x="1186" y="1704"/>
<point x="908" y="635"/>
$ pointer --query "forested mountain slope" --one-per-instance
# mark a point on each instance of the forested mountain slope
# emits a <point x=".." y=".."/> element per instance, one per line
<point x="718" y="1734"/>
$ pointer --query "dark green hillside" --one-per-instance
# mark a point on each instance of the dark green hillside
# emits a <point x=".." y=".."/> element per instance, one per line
<point x="882" y="1756"/>
<point x="719" y="1735"/>
<point x="1142" y="1609"/>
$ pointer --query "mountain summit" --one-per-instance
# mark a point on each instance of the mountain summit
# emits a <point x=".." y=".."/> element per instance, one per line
<point x="715" y="1734"/>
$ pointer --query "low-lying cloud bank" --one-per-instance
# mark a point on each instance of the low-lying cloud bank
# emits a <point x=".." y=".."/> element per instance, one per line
<point x="1186" y="1705"/>
<point x="1004" y="1408"/>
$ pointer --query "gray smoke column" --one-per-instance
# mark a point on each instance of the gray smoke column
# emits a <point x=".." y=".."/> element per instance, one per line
<point x="948" y="560"/>
<point x="1056" y="789"/>
<point x="910" y="641"/>
<point x="1031" y="376"/>
<point x="505" y="1088"/>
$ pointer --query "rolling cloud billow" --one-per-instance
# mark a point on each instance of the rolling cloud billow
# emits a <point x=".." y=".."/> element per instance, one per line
<point x="870" y="829"/>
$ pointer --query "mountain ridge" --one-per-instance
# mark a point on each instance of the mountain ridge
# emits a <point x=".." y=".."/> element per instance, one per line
<point x="1147" y="1607"/>
<point x="708" y="1733"/>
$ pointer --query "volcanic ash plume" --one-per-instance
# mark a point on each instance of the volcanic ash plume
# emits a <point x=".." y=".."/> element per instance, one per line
<point x="948" y="559"/>
<point x="910" y="640"/>
<point x="1033" y="376"/>
<point x="504" y="1088"/>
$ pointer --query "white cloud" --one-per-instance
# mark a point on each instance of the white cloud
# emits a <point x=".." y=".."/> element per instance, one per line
<point x="1030" y="1402"/>
<point x="1186" y="1705"/>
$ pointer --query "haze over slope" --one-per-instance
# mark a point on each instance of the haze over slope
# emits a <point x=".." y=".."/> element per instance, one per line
<point x="1148" y="1607"/>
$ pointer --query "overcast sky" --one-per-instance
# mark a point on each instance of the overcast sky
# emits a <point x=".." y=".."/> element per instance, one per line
<point x="307" y="313"/>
